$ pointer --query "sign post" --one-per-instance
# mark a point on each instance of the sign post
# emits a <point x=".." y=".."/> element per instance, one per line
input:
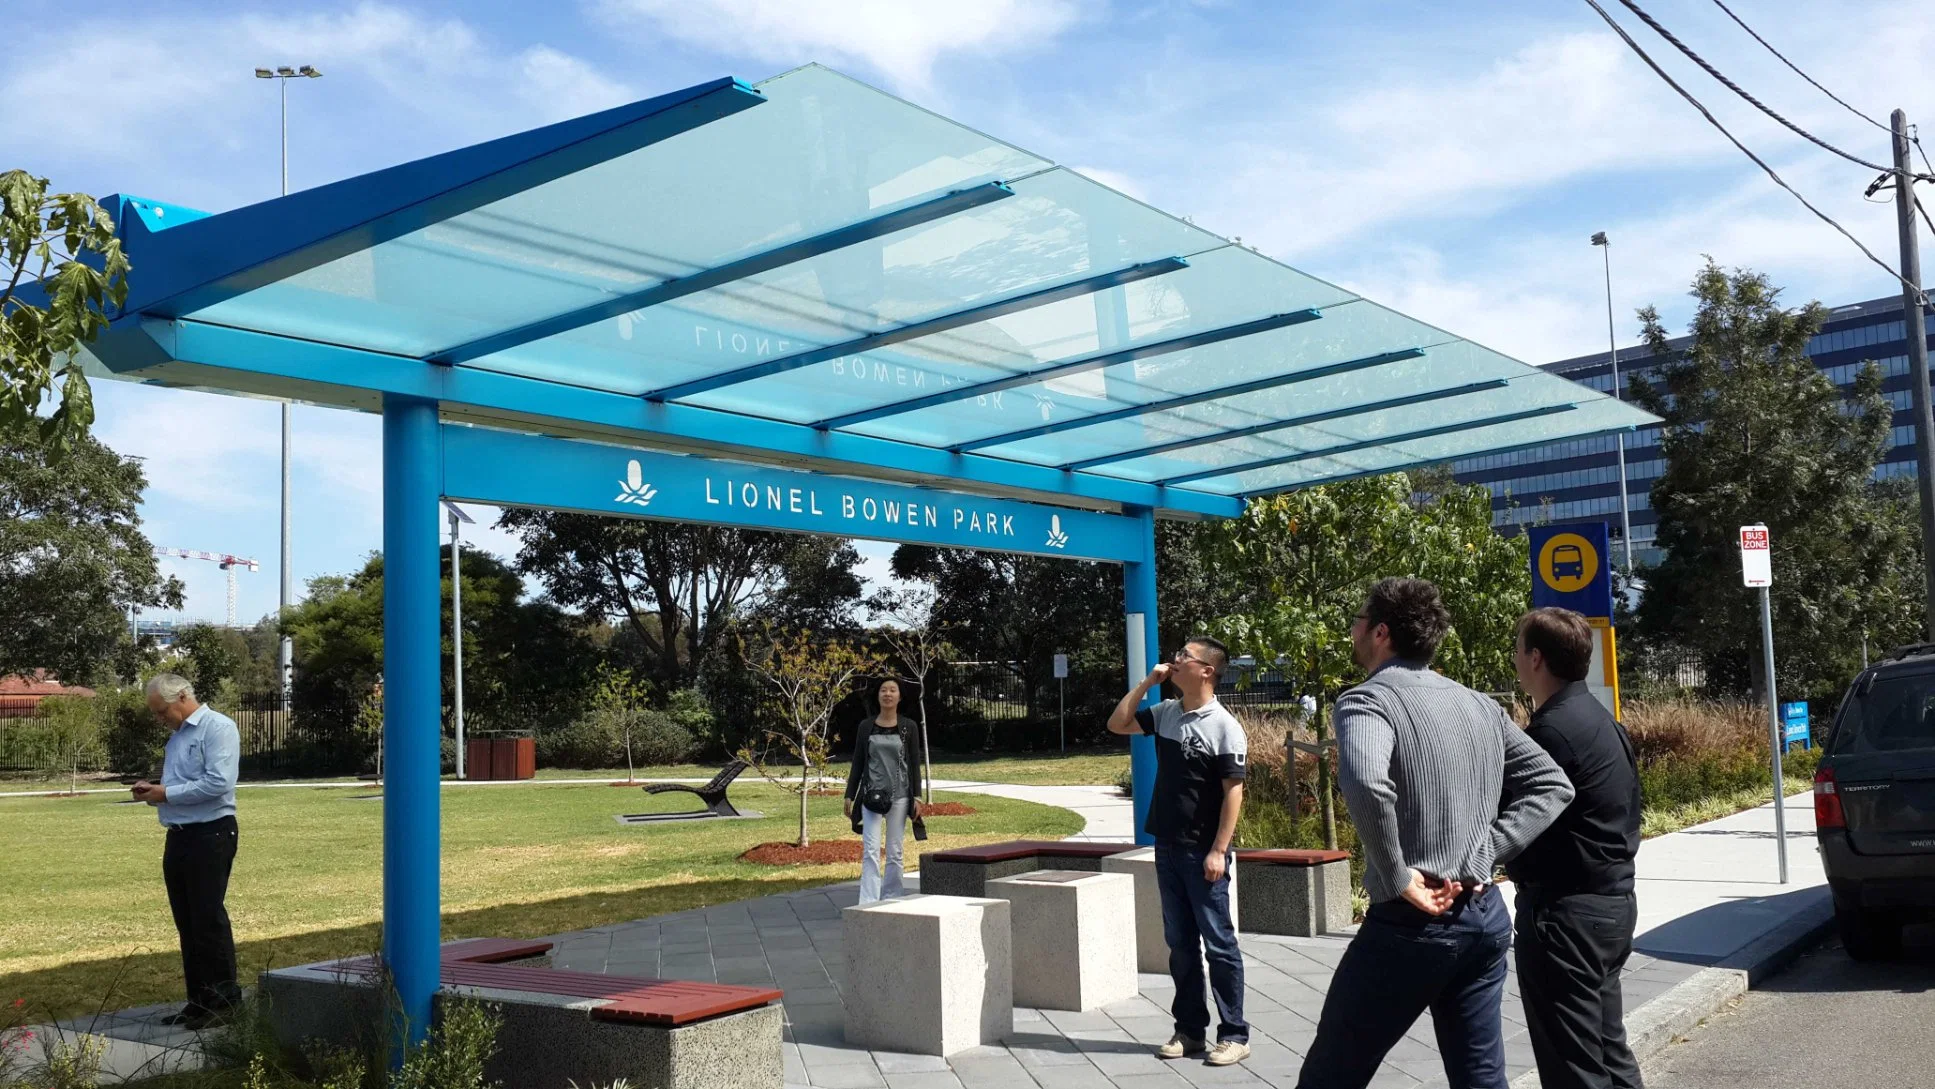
<point x="1757" y="571"/>
<point x="1061" y="697"/>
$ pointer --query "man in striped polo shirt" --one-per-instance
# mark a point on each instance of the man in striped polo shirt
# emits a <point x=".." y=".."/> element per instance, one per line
<point x="1442" y="787"/>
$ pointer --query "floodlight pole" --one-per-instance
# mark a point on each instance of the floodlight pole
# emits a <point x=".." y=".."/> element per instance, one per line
<point x="1917" y="333"/>
<point x="1612" y="343"/>
<point x="457" y="627"/>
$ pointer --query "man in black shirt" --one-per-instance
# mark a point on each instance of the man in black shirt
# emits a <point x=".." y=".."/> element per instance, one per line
<point x="1576" y="911"/>
<point x="1200" y="751"/>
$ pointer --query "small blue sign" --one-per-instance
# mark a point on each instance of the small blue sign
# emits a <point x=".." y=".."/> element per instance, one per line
<point x="1571" y="568"/>
<point x="1794" y="718"/>
<point x="524" y="470"/>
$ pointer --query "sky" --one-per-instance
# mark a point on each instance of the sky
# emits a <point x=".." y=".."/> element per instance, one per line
<point x="1450" y="160"/>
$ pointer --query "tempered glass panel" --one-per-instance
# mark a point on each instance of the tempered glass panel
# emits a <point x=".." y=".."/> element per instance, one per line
<point x="1223" y="287"/>
<point x="1347" y="331"/>
<point x="822" y="152"/>
<point x="1037" y="238"/>
<point x="1593" y="416"/>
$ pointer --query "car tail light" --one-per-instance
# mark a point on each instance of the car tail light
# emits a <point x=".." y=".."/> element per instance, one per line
<point x="1827" y="801"/>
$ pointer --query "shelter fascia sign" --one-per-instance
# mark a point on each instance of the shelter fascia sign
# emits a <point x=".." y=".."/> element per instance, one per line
<point x="517" y="469"/>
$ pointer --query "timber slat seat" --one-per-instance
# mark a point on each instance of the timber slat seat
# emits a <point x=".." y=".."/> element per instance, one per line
<point x="1032" y="848"/>
<point x="713" y="794"/>
<point x="1285" y="856"/>
<point x="665" y="1002"/>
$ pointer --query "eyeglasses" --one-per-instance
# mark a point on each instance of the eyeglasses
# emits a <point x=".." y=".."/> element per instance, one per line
<point x="1185" y="656"/>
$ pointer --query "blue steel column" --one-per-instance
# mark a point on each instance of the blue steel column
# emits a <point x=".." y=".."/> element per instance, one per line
<point x="1139" y="598"/>
<point x="412" y="705"/>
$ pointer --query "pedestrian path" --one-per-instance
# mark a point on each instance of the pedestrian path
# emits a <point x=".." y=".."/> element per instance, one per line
<point x="1706" y="895"/>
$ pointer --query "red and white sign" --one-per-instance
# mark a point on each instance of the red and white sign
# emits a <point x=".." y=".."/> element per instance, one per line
<point x="1756" y="556"/>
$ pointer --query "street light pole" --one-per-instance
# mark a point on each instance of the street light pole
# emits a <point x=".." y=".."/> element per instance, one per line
<point x="1912" y="301"/>
<point x="1612" y="343"/>
<point x="285" y="654"/>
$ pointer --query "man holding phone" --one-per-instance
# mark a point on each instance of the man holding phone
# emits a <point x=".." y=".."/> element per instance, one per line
<point x="196" y="802"/>
<point x="1200" y="753"/>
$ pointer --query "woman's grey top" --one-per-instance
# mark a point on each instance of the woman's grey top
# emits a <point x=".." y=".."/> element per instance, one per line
<point x="909" y="759"/>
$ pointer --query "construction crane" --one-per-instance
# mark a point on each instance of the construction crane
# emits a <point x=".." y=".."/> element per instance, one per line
<point x="229" y="564"/>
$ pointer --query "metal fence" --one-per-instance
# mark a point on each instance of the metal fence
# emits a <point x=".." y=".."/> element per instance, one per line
<point x="278" y="741"/>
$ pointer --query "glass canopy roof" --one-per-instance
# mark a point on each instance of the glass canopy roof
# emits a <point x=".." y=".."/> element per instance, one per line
<point x="832" y="257"/>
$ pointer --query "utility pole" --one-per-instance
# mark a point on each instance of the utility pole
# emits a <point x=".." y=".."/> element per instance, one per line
<point x="457" y="520"/>
<point x="1612" y="343"/>
<point x="1917" y="333"/>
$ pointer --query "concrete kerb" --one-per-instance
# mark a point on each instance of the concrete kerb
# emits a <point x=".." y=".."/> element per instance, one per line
<point x="1655" y="1025"/>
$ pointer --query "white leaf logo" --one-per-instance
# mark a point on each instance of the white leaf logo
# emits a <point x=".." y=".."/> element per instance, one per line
<point x="1056" y="538"/>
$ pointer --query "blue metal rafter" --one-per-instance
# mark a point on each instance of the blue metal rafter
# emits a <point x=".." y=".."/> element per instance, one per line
<point x="1366" y="444"/>
<point x="898" y="220"/>
<point x="929" y="327"/>
<point x="1275" y="381"/>
<point x="1075" y="366"/>
<point x="1422" y="462"/>
<point x="1294" y="421"/>
<point x="205" y="261"/>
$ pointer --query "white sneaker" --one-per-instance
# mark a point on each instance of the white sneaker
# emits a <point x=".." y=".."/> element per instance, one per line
<point x="1178" y="1046"/>
<point x="1228" y="1053"/>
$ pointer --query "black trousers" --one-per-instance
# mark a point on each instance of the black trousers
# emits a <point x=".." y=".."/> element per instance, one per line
<point x="195" y="864"/>
<point x="1570" y="953"/>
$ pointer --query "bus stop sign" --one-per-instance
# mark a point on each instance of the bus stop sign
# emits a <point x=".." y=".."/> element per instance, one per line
<point x="1569" y="568"/>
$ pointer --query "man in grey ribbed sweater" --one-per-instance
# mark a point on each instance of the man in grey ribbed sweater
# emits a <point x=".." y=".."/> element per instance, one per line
<point x="1442" y="788"/>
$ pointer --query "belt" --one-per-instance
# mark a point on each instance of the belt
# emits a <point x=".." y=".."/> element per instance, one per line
<point x="198" y="828"/>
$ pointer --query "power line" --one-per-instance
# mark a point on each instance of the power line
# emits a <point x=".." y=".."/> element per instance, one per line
<point x="1741" y="91"/>
<point x="1797" y="71"/>
<point x="1744" y="150"/>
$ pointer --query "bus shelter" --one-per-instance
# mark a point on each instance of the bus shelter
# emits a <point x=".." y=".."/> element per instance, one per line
<point x="799" y="305"/>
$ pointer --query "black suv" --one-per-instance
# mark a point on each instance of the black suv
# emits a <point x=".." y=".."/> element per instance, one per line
<point x="1874" y="803"/>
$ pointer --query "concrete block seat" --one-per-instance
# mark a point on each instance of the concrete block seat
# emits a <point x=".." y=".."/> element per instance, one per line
<point x="559" y="1026"/>
<point x="1292" y="892"/>
<point x="1151" y="945"/>
<point x="966" y="871"/>
<point x="1071" y="949"/>
<point x="928" y="975"/>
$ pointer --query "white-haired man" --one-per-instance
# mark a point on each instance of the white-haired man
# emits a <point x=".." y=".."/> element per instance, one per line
<point x="196" y="802"/>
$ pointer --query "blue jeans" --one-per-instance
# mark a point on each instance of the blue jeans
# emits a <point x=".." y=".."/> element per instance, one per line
<point x="1196" y="926"/>
<point x="1401" y="963"/>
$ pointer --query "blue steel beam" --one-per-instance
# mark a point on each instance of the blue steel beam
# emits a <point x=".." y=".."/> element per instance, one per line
<point x="1273" y="382"/>
<point x="1294" y="421"/>
<point x="1422" y="462"/>
<point x="931" y="326"/>
<point x="1141" y="639"/>
<point x="1366" y="444"/>
<point x="853" y="234"/>
<point x="333" y="374"/>
<point x="1074" y="366"/>
<point x="197" y="264"/>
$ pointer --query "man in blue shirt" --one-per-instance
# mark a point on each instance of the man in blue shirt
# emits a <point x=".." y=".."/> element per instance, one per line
<point x="196" y="802"/>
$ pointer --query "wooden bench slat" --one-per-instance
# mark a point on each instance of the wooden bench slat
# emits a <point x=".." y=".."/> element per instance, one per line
<point x="493" y="950"/>
<point x="648" y="1001"/>
<point x="1285" y="856"/>
<point x="1032" y="848"/>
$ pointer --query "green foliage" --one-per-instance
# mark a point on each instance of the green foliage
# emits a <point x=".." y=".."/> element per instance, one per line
<point x="1755" y="433"/>
<point x="73" y="1061"/>
<point x="211" y="656"/>
<point x="66" y="242"/>
<point x="618" y="725"/>
<point x="809" y="676"/>
<point x="453" y="1055"/>
<point x="71" y="730"/>
<point x="526" y="664"/>
<point x="134" y="736"/>
<point x="76" y="557"/>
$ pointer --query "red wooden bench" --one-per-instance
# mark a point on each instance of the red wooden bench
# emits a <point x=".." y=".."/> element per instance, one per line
<point x="665" y="1002"/>
<point x="965" y="871"/>
<point x="1284" y="856"/>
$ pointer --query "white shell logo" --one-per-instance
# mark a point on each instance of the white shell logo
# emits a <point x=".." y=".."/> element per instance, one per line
<point x="633" y="488"/>
<point x="1056" y="538"/>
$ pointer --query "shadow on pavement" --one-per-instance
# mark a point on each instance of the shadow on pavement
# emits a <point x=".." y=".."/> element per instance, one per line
<point x="1720" y="930"/>
<point x="1829" y="970"/>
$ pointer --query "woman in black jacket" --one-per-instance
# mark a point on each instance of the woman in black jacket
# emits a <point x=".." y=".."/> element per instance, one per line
<point x="885" y="782"/>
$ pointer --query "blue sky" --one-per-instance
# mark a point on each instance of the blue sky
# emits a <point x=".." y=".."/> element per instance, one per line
<point x="1447" y="159"/>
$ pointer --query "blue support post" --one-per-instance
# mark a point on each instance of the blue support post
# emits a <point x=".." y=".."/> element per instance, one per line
<point x="412" y="707"/>
<point x="1139" y="602"/>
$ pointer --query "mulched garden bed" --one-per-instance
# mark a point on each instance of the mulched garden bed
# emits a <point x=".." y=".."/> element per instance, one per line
<point x="788" y="854"/>
<point x="948" y="809"/>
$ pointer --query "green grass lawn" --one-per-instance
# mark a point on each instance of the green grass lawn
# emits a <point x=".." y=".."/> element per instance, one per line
<point x="84" y="920"/>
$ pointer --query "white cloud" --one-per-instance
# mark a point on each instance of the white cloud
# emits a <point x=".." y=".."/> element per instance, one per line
<point x="901" y="39"/>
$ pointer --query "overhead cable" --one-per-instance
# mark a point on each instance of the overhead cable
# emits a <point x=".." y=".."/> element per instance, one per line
<point x="1797" y="71"/>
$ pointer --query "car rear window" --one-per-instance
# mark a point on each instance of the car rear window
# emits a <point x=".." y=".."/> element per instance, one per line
<point x="1889" y="714"/>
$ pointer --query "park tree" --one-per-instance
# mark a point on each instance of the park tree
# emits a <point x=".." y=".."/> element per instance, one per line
<point x="809" y="676"/>
<point x="678" y="588"/>
<point x="210" y="655"/>
<point x="70" y="727"/>
<point x="1312" y="555"/>
<point x="1755" y="433"/>
<point x="526" y="663"/>
<point x="62" y="274"/>
<point x="76" y="559"/>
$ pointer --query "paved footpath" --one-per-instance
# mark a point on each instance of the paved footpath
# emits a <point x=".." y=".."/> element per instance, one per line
<point x="1712" y="917"/>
